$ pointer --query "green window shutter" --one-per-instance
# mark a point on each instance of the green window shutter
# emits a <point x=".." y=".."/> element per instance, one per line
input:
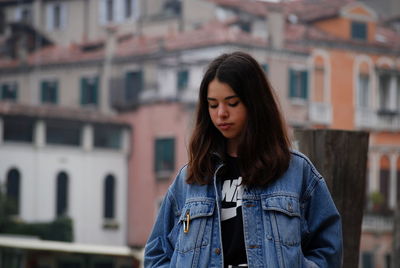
<point x="3" y="88"/>
<point x="134" y="83"/>
<point x="49" y="92"/>
<point x="15" y="91"/>
<point x="164" y="154"/>
<point x="292" y="83"/>
<point x="304" y="84"/>
<point x="9" y="91"/>
<point x="128" y="85"/>
<point x="157" y="156"/>
<point x="183" y="79"/>
<point x="55" y="92"/>
<point x="43" y="89"/>
<point x="169" y="154"/>
<point x="83" y="91"/>
<point x="95" y="91"/>
<point x="140" y="81"/>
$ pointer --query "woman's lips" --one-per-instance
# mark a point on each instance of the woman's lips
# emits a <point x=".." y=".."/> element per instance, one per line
<point x="225" y="126"/>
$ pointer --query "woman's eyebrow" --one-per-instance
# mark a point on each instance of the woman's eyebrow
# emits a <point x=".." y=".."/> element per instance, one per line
<point x="227" y="98"/>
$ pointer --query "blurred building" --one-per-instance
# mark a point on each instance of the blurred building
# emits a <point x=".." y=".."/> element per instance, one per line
<point x="62" y="152"/>
<point x="138" y="64"/>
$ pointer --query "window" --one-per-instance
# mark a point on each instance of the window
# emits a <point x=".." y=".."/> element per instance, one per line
<point x="107" y="136"/>
<point x="89" y="91"/>
<point x="56" y="16"/>
<point x="133" y="85"/>
<point x="172" y="7"/>
<point x="110" y="10"/>
<point x="164" y="156"/>
<point x="106" y="11"/>
<point x="384" y="186"/>
<point x="245" y="26"/>
<point x="19" y="129"/>
<point x="49" y="92"/>
<point x="359" y="30"/>
<point x="26" y="15"/>
<point x="384" y="92"/>
<point x="63" y="133"/>
<point x="13" y="190"/>
<point x="23" y="14"/>
<point x="363" y="91"/>
<point x="2" y="21"/>
<point x="298" y="84"/>
<point x="128" y="8"/>
<point x="319" y="84"/>
<point x="367" y="260"/>
<point x="62" y="194"/>
<point x="109" y="197"/>
<point x="9" y="91"/>
<point x="183" y="79"/>
<point x="384" y="181"/>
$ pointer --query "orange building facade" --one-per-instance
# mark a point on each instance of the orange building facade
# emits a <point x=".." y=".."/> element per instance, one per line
<point x="355" y="80"/>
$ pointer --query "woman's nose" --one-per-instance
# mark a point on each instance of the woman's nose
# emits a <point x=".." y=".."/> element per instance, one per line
<point x="222" y="111"/>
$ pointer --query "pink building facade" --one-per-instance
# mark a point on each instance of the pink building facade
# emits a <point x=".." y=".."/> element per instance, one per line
<point x="161" y="127"/>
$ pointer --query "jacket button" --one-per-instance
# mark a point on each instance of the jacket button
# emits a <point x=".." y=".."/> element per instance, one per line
<point x="290" y="207"/>
<point x="217" y="251"/>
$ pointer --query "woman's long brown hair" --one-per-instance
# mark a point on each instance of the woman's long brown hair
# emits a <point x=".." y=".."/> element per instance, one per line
<point x="264" y="147"/>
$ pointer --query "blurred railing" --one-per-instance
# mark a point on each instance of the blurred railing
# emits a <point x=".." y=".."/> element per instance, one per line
<point x="320" y="113"/>
<point x="377" y="223"/>
<point x="377" y="119"/>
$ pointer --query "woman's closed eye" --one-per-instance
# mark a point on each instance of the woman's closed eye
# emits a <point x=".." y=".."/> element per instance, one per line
<point x="234" y="104"/>
<point x="231" y="104"/>
<point x="212" y="105"/>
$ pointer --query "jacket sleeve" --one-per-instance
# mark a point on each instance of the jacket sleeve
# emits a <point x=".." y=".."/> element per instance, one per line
<point x="322" y="240"/>
<point x="159" y="248"/>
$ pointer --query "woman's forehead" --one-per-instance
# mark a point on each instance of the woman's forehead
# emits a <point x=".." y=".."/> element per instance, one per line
<point x="219" y="90"/>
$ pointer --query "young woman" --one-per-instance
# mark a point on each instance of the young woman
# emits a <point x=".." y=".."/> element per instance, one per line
<point x="244" y="199"/>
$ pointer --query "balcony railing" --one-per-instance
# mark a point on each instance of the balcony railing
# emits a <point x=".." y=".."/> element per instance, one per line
<point x="377" y="223"/>
<point x="377" y="119"/>
<point x="320" y="113"/>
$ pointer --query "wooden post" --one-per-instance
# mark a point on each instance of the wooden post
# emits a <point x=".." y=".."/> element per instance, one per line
<point x="341" y="158"/>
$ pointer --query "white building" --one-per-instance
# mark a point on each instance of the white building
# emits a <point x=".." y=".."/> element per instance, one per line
<point x="57" y="161"/>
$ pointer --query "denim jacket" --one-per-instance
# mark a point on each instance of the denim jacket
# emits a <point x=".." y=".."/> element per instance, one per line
<point x="291" y="223"/>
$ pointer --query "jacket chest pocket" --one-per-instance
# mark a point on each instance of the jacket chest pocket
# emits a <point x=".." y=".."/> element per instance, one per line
<point x="283" y="213"/>
<point x="195" y="224"/>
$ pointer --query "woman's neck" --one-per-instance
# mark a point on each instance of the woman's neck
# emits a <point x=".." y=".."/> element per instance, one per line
<point x="232" y="148"/>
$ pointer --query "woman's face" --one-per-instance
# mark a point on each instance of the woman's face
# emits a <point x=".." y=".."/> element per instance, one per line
<point x="227" y="112"/>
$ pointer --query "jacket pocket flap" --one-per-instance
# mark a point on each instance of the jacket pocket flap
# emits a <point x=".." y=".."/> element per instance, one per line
<point x="198" y="208"/>
<point x="285" y="204"/>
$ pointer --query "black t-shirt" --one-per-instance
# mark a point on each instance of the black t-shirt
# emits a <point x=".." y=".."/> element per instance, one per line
<point x="231" y="214"/>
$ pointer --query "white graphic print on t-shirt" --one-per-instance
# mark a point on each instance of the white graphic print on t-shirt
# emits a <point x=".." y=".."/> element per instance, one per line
<point x="232" y="192"/>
